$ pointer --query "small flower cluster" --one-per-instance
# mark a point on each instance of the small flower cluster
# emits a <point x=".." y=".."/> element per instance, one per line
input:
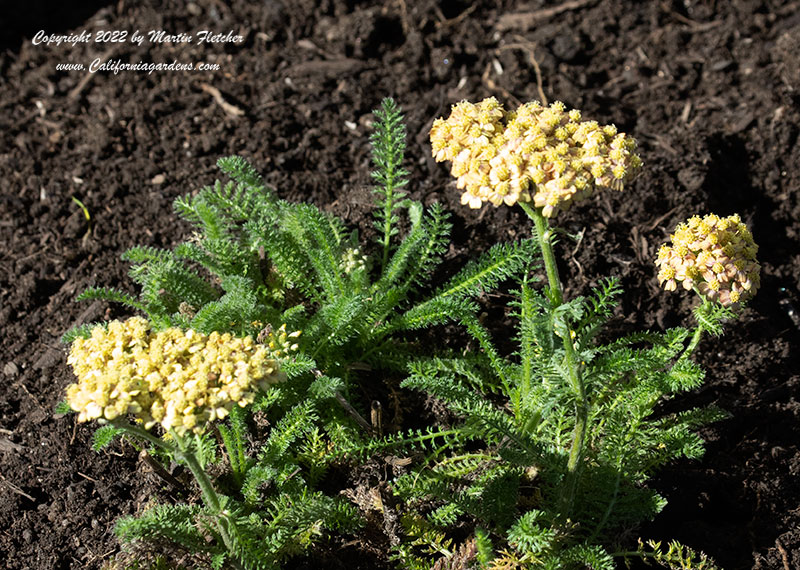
<point x="546" y="155"/>
<point x="353" y="260"/>
<point x="279" y="342"/>
<point x="179" y="379"/>
<point x="717" y="256"/>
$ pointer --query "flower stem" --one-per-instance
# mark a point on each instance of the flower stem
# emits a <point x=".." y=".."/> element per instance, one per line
<point x="701" y="313"/>
<point x="544" y="236"/>
<point x="210" y="496"/>
<point x="698" y="333"/>
<point x="182" y="451"/>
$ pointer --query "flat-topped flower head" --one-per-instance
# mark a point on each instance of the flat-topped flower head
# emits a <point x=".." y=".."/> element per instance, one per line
<point x="544" y="155"/>
<point x="715" y="256"/>
<point x="179" y="379"/>
<point x="469" y="127"/>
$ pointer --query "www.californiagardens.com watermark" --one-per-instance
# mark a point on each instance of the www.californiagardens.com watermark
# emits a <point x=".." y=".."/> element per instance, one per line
<point x="116" y="66"/>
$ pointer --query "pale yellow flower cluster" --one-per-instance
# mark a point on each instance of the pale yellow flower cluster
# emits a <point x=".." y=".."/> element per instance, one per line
<point x="280" y="342"/>
<point x="716" y="256"/>
<point x="353" y="260"/>
<point x="179" y="379"/>
<point x="546" y="155"/>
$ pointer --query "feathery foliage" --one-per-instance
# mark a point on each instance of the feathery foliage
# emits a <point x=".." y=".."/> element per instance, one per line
<point x="388" y="149"/>
<point x="256" y="262"/>
<point x="512" y="479"/>
<point x="548" y="447"/>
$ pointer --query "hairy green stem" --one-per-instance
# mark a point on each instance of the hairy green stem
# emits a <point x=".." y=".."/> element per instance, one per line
<point x="698" y="333"/>
<point x="544" y="236"/>
<point x="182" y="451"/>
<point x="387" y="231"/>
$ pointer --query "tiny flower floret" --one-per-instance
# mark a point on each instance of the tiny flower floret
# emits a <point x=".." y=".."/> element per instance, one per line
<point x="179" y="379"/>
<point x="716" y="256"/>
<point x="544" y="155"/>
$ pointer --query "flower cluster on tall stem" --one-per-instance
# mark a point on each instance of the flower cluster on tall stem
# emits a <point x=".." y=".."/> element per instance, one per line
<point x="545" y="155"/>
<point x="544" y="159"/>
<point x="180" y="380"/>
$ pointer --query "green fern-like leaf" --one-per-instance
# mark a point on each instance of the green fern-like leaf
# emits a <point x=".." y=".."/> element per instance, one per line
<point x="532" y="533"/>
<point x="108" y="294"/>
<point x="166" y="283"/>
<point x="437" y="238"/>
<point x="80" y="331"/>
<point x="104" y="435"/>
<point x="317" y="238"/>
<point x="484" y="546"/>
<point x="298" y="421"/>
<point x="588" y="556"/>
<point x="218" y="560"/>
<point x="234" y="311"/>
<point x="435" y="311"/>
<point x="684" y="375"/>
<point x="175" y="523"/>
<point x="388" y="149"/>
<point x="233" y="437"/>
<point x="597" y="309"/>
<point x="143" y="254"/>
<point x="326" y="387"/>
<point x="501" y="262"/>
<point x="712" y="317"/>
<point x="204" y="448"/>
<point x="240" y="170"/>
<point x="298" y="365"/>
<point x="430" y="438"/>
<point x="675" y="556"/>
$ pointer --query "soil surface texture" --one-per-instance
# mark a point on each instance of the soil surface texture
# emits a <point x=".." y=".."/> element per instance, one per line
<point x="709" y="88"/>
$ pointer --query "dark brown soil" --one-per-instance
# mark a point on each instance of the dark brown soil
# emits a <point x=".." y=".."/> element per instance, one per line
<point x="709" y="88"/>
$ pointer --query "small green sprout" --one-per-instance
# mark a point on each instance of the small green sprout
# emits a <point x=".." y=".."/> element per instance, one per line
<point x="86" y="215"/>
<point x="83" y="208"/>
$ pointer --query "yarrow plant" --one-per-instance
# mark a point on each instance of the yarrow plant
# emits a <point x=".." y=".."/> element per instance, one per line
<point x="258" y="267"/>
<point x="180" y="380"/>
<point x="557" y="470"/>
<point x="548" y="455"/>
